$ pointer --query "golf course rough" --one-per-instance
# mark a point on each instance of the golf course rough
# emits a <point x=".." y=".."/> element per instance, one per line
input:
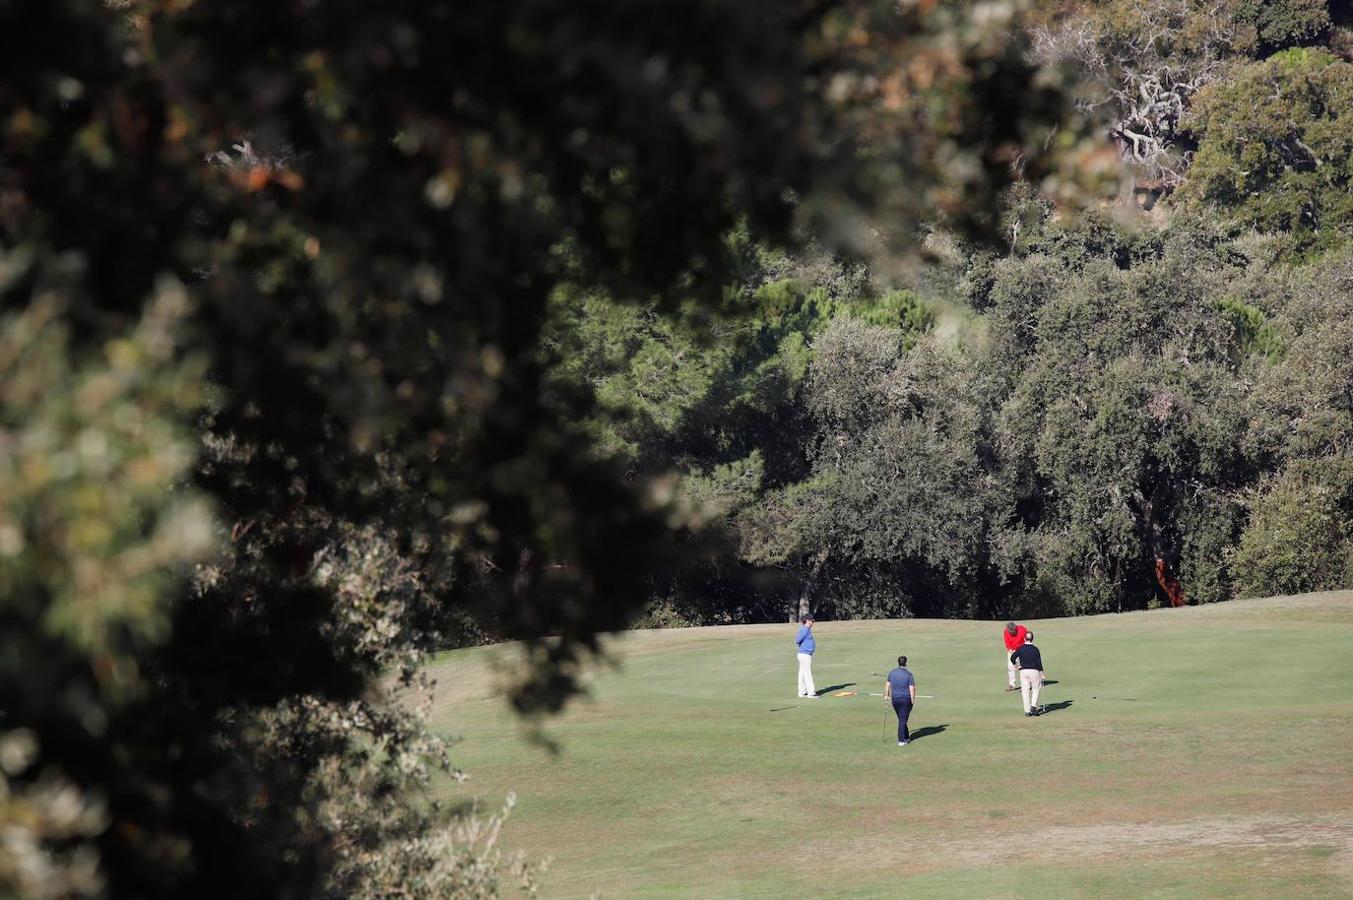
<point x="1200" y="752"/>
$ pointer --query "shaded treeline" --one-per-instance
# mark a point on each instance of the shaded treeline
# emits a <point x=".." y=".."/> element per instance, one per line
<point x="1069" y="428"/>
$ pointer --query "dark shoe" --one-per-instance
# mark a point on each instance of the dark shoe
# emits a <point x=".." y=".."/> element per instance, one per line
<point x="1009" y="689"/>
<point x="1030" y="713"/>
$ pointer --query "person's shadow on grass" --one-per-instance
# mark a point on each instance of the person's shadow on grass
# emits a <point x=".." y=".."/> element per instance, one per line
<point x="928" y="731"/>
<point x="835" y="687"/>
<point x="1059" y="705"/>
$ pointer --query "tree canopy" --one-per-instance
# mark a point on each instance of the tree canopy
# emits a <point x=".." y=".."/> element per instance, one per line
<point x="277" y="284"/>
<point x="333" y="335"/>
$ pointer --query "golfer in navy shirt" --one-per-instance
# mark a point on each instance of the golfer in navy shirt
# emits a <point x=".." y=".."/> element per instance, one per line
<point x="900" y="690"/>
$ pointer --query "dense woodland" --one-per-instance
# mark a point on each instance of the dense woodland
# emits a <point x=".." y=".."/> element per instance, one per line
<point x="1145" y="402"/>
<point x="1102" y="417"/>
<point x="332" y="335"/>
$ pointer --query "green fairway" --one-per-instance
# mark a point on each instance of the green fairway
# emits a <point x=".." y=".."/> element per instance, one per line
<point x="1187" y="753"/>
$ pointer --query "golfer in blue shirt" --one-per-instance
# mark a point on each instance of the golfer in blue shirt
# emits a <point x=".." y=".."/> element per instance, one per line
<point x="900" y="690"/>
<point x="806" y="645"/>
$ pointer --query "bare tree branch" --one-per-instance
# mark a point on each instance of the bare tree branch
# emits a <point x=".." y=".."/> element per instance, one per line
<point x="1147" y="75"/>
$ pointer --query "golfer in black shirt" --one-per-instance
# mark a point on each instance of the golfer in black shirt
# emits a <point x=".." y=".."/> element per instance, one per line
<point x="1030" y="664"/>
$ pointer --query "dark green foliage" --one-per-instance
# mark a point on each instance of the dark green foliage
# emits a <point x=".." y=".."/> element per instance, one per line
<point x="1301" y="533"/>
<point x="1302" y="405"/>
<point x="1279" y="24"/>
<point x="359" y="216"/>
<point x="1209" y="529"/>
<point x="1276" y="146"/>
<point x="337" y="333"/>
<point x="1118" y="401"/>
<point x="897" y="493"/>
<point x="1254" y="333"/>
<point x="1099" y="424"/>
<point x="1124" y="406"/>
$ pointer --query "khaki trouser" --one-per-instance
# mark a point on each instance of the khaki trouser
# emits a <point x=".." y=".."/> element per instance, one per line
<point x="1030" y="682"/>
<point x="1010" y="669"/>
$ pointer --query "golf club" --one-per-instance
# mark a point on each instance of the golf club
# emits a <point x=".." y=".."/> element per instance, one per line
<point x="886" y="707"/>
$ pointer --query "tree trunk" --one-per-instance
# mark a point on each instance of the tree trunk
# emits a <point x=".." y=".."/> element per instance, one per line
<point x="806" y="593"/>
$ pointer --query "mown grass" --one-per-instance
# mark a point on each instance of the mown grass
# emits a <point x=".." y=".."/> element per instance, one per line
<point x="1196" y="753"/>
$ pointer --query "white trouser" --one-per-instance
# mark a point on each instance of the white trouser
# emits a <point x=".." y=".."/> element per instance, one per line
<point x="806" y="687"/>
<point x="1010" y="669"/>
<point x="1030" y="682"/>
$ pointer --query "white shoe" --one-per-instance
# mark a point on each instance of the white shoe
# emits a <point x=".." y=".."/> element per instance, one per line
<point x="903" y="743"/>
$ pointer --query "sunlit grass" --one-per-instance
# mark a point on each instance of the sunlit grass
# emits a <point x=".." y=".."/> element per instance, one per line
<point x="1197" y="752"/>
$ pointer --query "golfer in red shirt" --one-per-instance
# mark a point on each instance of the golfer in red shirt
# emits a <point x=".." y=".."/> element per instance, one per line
<point x="1014" y="639"/>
